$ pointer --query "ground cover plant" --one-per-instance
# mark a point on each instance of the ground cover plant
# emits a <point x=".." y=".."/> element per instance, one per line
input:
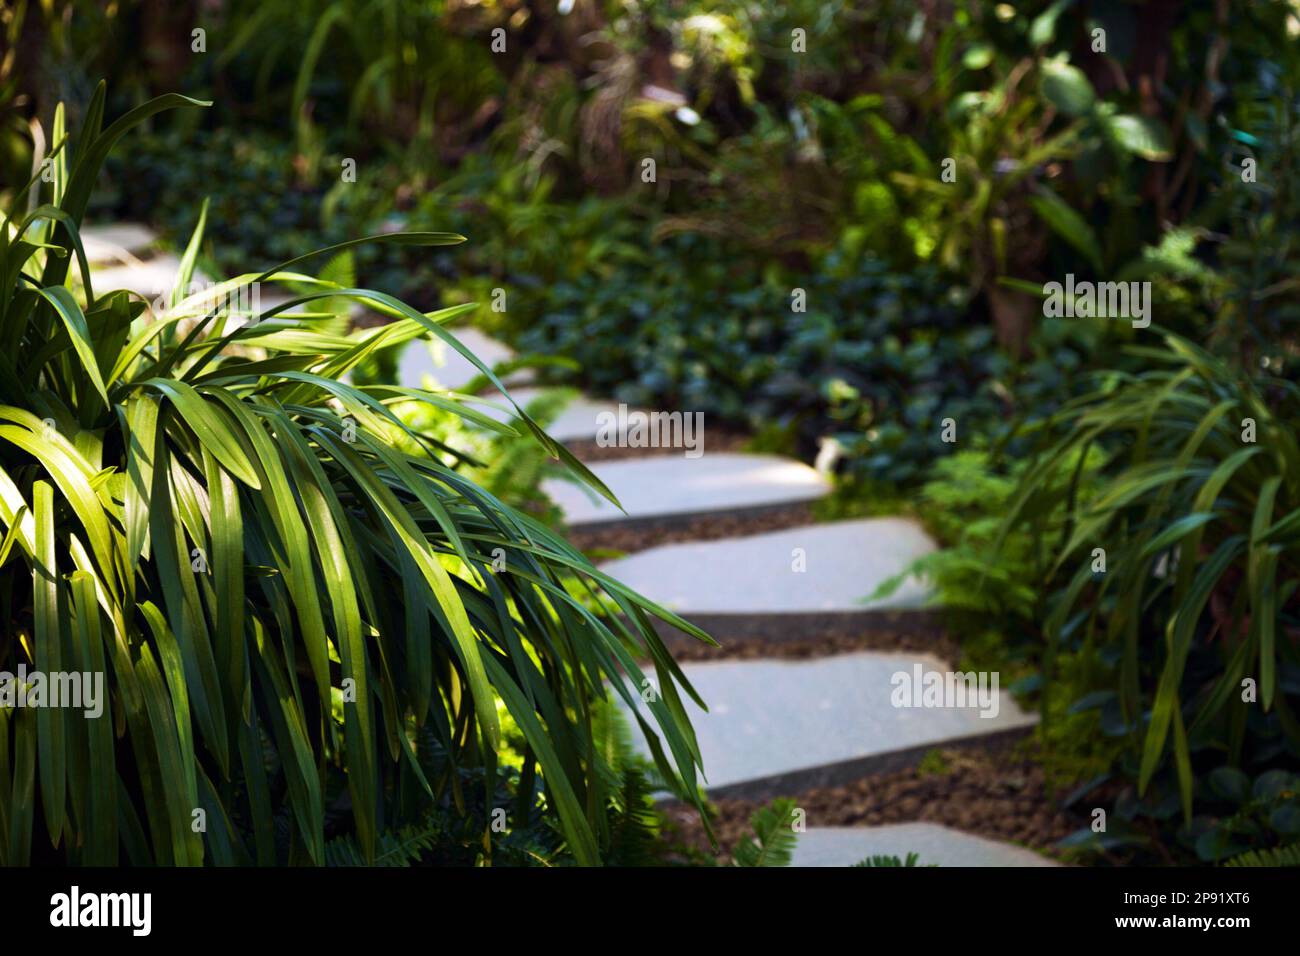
<point x="777" y="172"/>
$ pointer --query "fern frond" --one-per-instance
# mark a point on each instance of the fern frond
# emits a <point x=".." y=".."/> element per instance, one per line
<point x="634" y="830"/>
<point x="394" y="849"/>
<point x="1274" y="856"/>
<point x="774" y="838"/>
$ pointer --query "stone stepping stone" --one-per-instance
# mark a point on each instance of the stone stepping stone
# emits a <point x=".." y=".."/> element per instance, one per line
<point x="666" y="486"/>
<point x="823" y="721"/>
<point x="932" y="843"/>
<point x="117" y="242"/>
<point x="843" y="561"/>
<point x="447" y="367"/>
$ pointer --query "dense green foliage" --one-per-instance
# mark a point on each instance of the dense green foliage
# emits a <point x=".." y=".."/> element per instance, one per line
<point x="198" y="505"/>
<point x="790" y="179"/>
<point x="844" y="245"/>
<point x="1189" y="609"/>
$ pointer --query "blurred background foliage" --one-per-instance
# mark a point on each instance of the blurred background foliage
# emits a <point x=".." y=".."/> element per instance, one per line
<point x="776" y="170"/>
<point x="802" y="148"/>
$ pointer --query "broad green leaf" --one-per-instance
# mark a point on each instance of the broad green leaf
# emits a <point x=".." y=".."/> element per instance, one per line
<point x="1142" y="136"/>
<point x="1067" y="88"/>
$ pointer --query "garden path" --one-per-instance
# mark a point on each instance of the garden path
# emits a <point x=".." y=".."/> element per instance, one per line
<point x="777" y="726"/>
<point x="774" y="725"/>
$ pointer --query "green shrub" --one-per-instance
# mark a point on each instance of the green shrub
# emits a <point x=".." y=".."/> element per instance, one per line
<point x="297" y="617"/>
<point x="1197" y="513"/>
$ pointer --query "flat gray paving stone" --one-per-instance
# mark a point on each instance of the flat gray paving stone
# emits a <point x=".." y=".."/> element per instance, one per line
<point x="447" y="367"/>
<point x="843" y="563"/>
<point x="772" y="717"/>
<point x="666" y="485"/>
<point x="116" y="242"/>
<point x="933" y="844"/>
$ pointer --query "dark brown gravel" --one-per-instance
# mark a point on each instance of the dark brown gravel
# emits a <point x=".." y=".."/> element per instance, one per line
<point x="997" y="792"/>
<point x="824" y="643"/>
<point x="629" y="537"/>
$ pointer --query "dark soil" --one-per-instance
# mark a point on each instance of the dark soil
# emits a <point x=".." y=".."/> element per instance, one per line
<point x="842" y="639"/>
<point x="997" y="792"/>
